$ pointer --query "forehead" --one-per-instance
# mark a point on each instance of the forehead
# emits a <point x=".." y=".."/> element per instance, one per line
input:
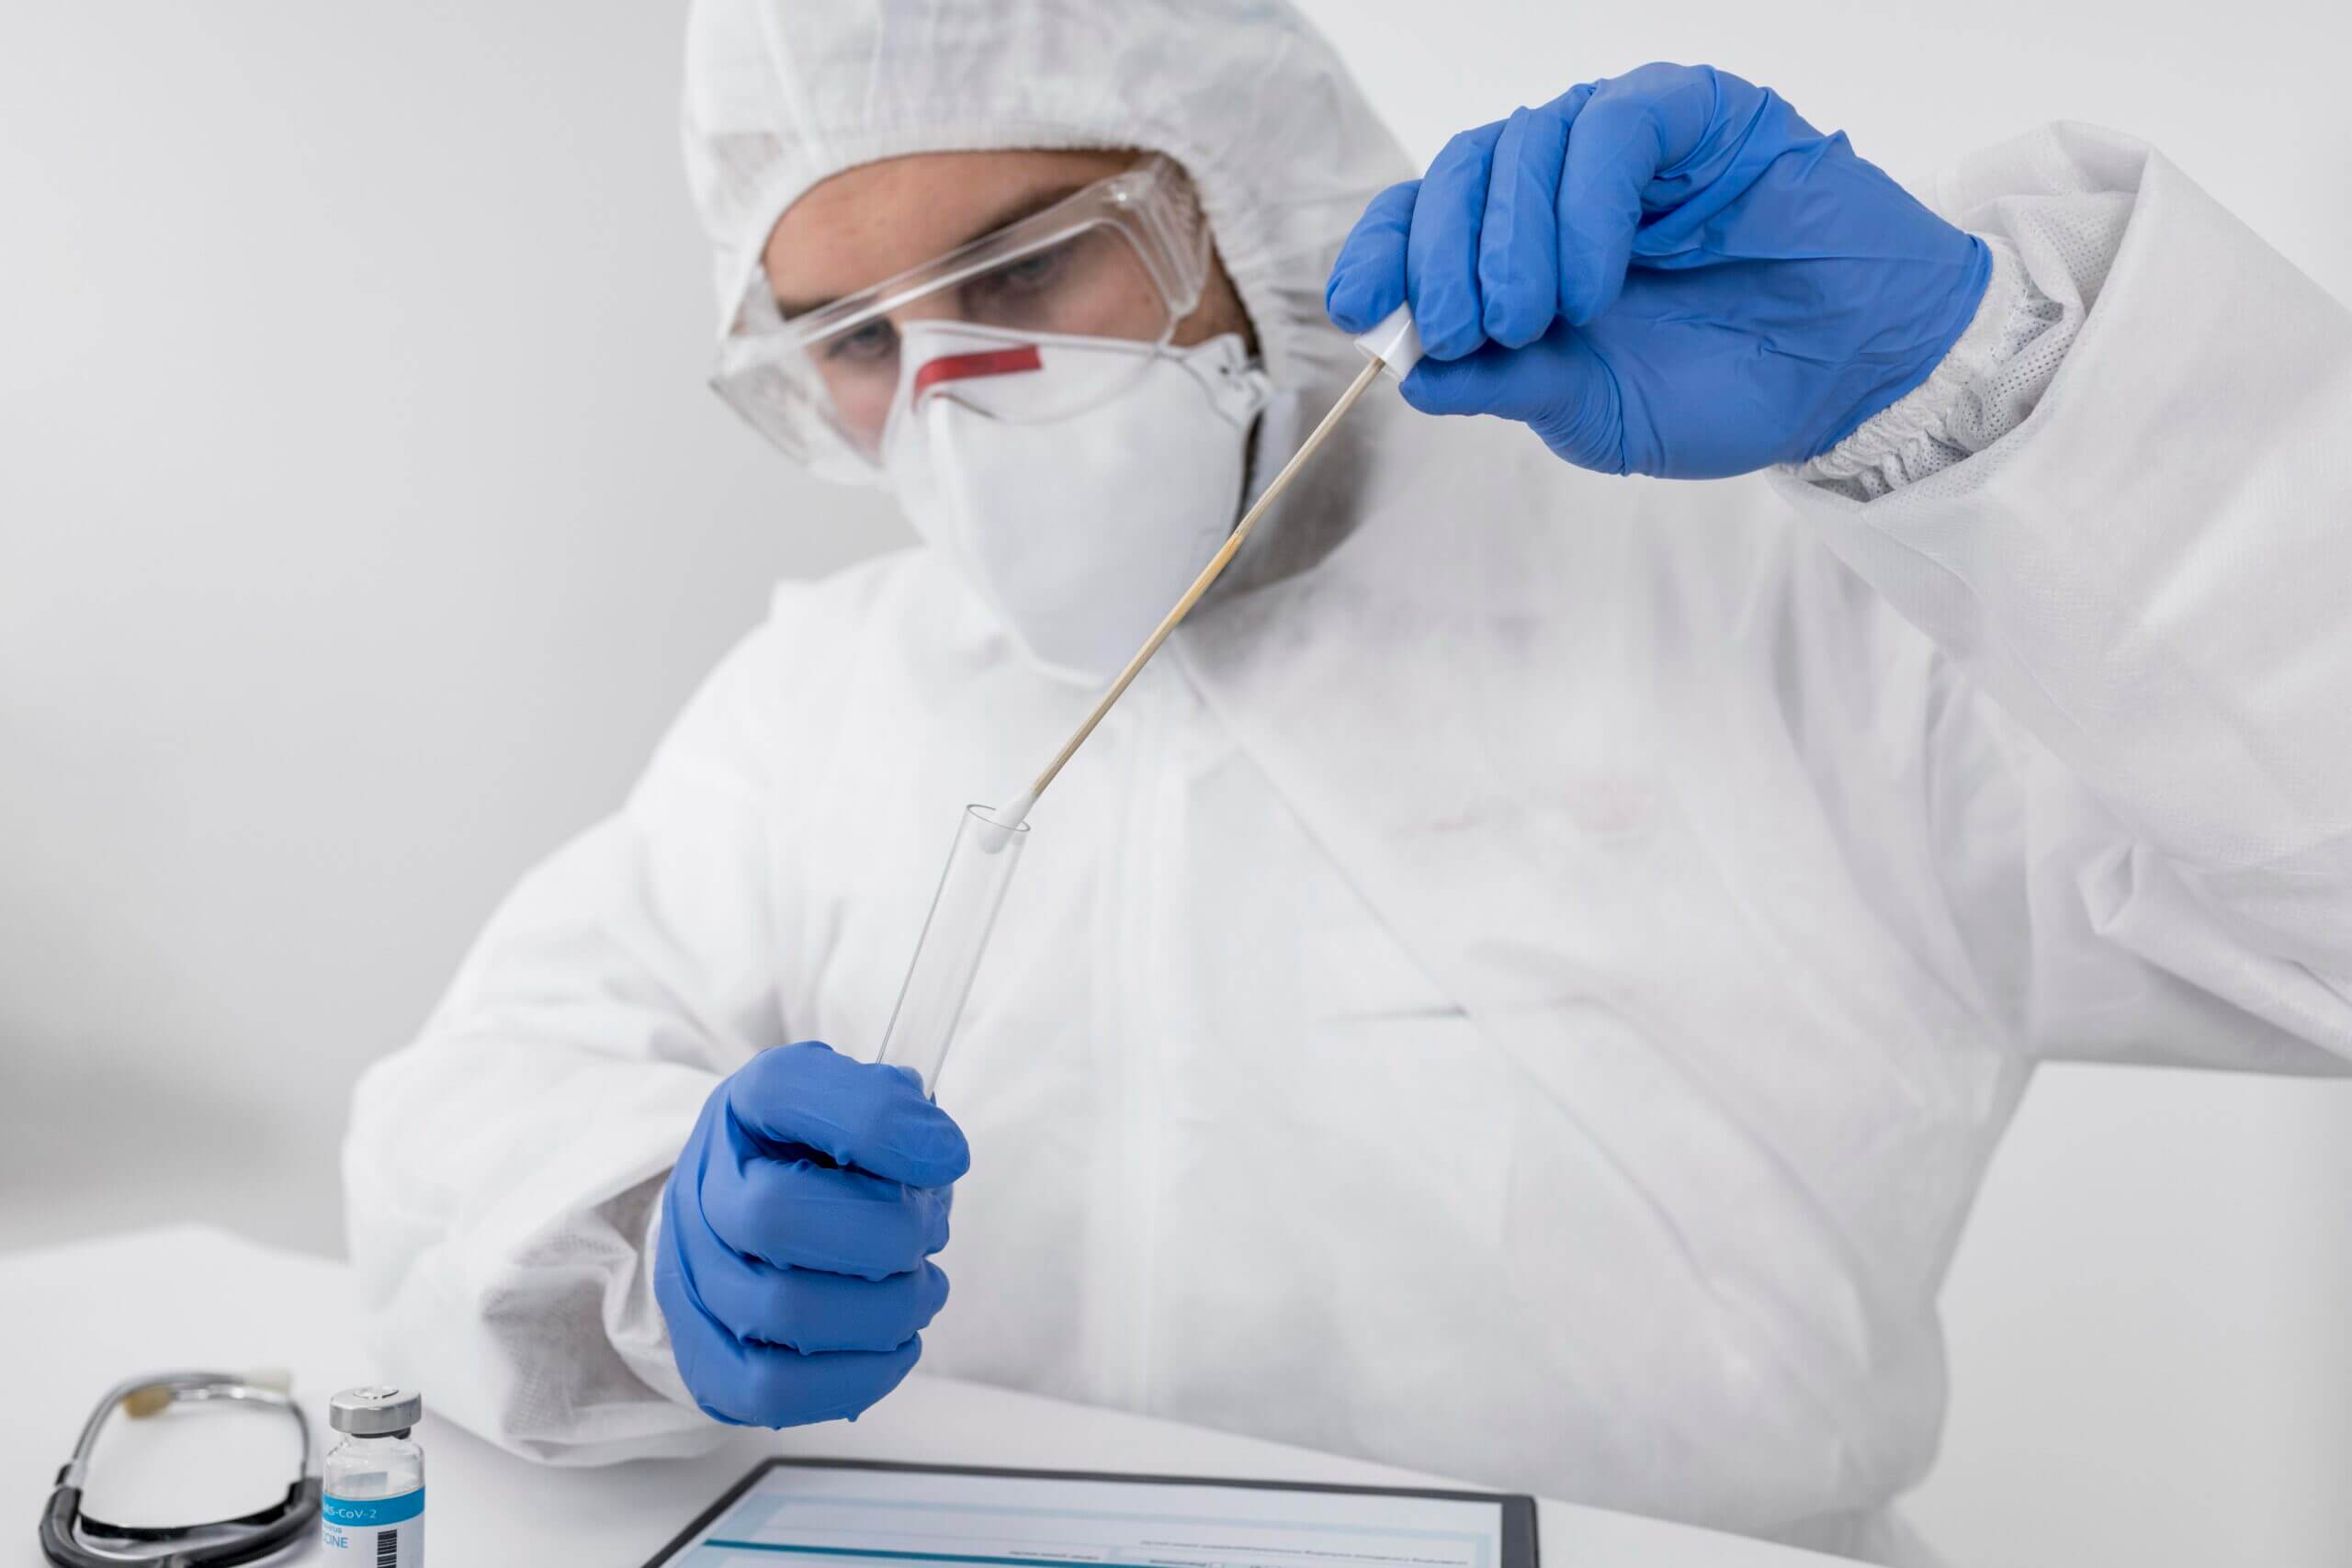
<point x="872" y="222"/>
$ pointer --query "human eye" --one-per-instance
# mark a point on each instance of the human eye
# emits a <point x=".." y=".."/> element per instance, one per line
<point x="1023" y="277"/>
<point x="874" y="341"/>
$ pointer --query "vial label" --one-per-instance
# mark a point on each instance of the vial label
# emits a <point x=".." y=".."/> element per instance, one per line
<point x="374" y="1532"/>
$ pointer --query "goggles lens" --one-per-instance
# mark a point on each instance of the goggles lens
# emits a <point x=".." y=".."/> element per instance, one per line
<point x="1122" y="261"/>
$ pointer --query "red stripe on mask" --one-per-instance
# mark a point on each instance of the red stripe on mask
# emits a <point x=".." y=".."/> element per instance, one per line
<point x="987" y="362"/>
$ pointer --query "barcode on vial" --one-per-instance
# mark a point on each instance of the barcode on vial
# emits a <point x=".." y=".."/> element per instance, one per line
<point x="388" y="1548"/>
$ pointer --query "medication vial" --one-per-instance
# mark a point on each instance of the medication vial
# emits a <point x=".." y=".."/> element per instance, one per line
<point x="372" y="1515"/>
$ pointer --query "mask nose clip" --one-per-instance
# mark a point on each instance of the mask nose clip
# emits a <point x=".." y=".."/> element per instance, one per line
<point x="948" y="368"/>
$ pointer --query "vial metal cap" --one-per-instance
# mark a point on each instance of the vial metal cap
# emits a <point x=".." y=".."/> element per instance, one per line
<point x="375" y="1410"/>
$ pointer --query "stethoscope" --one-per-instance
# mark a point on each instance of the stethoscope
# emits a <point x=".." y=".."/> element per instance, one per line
<point x="72" y="1539"/>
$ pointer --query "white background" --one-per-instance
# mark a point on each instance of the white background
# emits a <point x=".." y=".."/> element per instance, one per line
<point x="362" y="519"/>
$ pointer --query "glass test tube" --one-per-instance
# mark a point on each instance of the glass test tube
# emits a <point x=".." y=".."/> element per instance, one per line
<point x="979" y="868"/>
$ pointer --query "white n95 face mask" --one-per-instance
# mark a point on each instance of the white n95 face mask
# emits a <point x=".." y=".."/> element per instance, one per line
<point x="1079" y="532"/>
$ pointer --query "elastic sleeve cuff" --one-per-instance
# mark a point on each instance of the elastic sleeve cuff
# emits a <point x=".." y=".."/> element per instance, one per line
<point x="1988" y="382"/>
<point x="633" y="1318"/>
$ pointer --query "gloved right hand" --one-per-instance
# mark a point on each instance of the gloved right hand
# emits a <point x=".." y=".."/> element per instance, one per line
<point x="792" y="1264"/>
<point x="1668" y="272"/>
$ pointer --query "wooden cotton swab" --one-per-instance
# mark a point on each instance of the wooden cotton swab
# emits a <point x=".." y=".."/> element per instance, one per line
<point x="1018" y="811"/>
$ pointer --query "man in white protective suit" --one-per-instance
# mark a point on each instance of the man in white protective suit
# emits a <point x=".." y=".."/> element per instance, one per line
<point x="1526" y="985"/>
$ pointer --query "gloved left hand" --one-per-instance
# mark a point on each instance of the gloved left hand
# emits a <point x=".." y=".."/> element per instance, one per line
<point x="1667" y="272"/>
<point x="793" y="1264"/>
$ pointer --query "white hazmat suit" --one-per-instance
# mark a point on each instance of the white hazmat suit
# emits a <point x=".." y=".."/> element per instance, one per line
<point x="1529" y="996"/>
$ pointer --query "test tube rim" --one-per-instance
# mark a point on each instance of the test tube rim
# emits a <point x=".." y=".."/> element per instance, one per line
<point x="992" y="815"/>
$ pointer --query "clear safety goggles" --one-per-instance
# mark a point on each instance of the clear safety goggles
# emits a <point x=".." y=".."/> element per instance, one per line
<point x="1122" y="260"/>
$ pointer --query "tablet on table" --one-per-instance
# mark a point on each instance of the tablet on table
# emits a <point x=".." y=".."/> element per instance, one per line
<point x="862" y="1514"/>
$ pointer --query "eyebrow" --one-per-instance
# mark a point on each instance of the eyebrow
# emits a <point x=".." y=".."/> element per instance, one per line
<point x="1010" y="214"/>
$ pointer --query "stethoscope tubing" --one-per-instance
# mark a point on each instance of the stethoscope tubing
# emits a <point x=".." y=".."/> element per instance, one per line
<point x="217" y="1543"/>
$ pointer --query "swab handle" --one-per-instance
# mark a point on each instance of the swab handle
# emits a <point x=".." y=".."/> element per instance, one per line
<point x="1395" y="342"/>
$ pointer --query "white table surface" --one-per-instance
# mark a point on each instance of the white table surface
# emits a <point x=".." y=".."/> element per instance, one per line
<point x="79" y="1318"/>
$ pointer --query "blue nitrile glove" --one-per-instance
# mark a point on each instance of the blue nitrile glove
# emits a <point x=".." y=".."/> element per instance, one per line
<point x="1668" y="272"/>
<point x="792" y="1263"/>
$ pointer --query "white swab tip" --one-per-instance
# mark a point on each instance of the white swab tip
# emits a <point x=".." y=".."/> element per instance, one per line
<point x="1005" y="823"/>
<point x="1395" y="343"/>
